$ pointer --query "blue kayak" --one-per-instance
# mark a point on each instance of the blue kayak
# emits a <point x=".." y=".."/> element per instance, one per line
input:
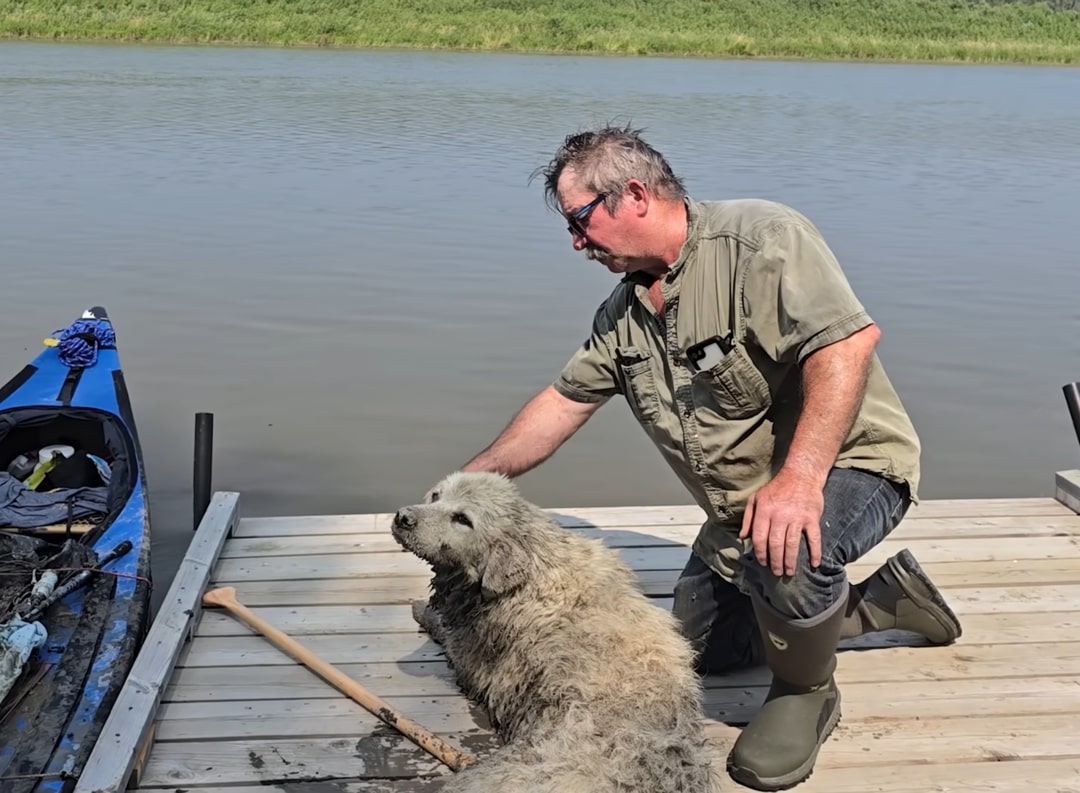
<point x="74" y="554"/>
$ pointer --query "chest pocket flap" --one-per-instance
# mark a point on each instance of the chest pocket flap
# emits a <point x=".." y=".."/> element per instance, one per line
<point x="734" y="386"/>
<point x="639" y="384"/>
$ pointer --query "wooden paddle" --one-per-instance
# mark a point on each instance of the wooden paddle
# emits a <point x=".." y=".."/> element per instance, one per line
<point x="454" y="757"/>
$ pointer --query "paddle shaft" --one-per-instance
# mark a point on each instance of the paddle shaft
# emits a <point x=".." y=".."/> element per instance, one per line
<point x="454" y="757"/>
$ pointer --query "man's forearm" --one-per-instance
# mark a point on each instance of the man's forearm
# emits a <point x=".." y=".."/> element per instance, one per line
<point x="535" y="433"/>
<point x="834" y="382"/>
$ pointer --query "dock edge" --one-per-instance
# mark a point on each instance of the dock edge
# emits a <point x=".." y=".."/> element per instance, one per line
<point x="128" y="730"/>
<point x="1067" y="488"/>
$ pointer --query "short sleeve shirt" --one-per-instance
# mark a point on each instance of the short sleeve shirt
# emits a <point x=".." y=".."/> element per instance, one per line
<point x="760" y="277"/>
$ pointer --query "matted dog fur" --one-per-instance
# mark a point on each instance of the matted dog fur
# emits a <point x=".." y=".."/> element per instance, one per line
<point x="590" y="686"/>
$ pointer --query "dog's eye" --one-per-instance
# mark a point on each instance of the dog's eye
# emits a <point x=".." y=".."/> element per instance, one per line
<point x="434" y="496"/>
<point x="462" y="518"/>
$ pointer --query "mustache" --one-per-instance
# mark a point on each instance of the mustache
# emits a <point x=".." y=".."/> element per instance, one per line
<point x="595" y="254"/>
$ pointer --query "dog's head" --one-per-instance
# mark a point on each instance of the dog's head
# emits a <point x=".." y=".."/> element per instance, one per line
<point x="473" y="523"/>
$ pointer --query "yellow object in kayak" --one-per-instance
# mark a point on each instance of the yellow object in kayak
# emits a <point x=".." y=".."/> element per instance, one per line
<point x="39" y="474"/>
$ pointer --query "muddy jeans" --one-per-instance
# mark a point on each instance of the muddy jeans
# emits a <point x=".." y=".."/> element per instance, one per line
<point x="861" y="509"/>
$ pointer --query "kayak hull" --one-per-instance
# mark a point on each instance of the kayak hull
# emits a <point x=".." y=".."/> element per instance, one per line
<point x="52" y="718"/>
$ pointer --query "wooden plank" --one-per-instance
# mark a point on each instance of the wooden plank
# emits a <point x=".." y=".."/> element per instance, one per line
<point x="110" y="764"/>
<point x="918" y="699"/>
<point x="340" y="716"/>
<point x="1067" y="489"/>
<point x="285" y="568"/>
<point x="890" y="661"/>
<point x="343" y="648"/>
<point x="683" y="535"/>
<point x="863" y="702"/>
<point x="142" y="755"/>
<point x="946" y="575"/>
<point x="1004" y="628"/>
<point x="393" y="591"/>
<point x="383" y="755"/>
<point x="624" y="516"/>
<point x="633" y="516"/>
<point x="854" y="745"/>
<point x="931" y="508"/>
<point x="430" y="785"/>
<point x="1012" y="600"/>
<point x="1059" y="775"/>
<point x="398" y="588"/>
<point x="397" y="618"/>
<point x="435" y="678"/>
<point x="655" y="583"/>
<point x="935" y="740"/>
<point x="979" y="628"/>
<point x="252" y="683"/>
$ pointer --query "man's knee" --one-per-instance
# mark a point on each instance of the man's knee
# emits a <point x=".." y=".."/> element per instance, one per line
<point x="694" y="605"/>
<point x="861" y="509"/>
<point x="717" y="619"/>
<point x="807" y="593"/>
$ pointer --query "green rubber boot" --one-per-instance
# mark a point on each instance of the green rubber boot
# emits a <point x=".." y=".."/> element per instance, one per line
<point x="900" y="596"/>
<point x="780" y="745"/>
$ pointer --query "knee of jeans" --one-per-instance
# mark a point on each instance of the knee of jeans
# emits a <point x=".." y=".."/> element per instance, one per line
<point x="689" y="598"/>
<point x="695" y="603"/>
<point x="803" y="595"/>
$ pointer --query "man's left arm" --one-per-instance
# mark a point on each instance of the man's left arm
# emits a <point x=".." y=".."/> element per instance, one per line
<point x="833" y="381"/>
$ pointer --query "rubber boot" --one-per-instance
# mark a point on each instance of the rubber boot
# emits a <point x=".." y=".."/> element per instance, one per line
<point x="780" y="745"/>
<point x="900" y="596"/>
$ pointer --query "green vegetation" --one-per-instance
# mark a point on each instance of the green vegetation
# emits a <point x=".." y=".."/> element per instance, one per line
<point x="938" y="30"/>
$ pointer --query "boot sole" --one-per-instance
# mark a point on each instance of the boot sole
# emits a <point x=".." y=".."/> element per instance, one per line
<point x="745" y="776"/>
<point x="921" y="590"/>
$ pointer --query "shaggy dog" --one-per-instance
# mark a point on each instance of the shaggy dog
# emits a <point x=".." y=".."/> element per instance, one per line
<point x="590" y="686"/>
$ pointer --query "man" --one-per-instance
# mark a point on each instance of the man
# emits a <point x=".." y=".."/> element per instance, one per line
<point x="745" y="356"/>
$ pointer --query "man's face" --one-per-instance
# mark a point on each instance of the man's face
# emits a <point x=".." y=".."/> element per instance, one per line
<point x="594" y="230"/>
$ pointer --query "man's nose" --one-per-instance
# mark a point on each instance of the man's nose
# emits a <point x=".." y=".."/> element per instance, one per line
<point x="578" y="241"/>
<point x="404" y="519"/>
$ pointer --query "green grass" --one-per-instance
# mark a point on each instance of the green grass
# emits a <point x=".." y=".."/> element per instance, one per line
<point x="925" y="30"/>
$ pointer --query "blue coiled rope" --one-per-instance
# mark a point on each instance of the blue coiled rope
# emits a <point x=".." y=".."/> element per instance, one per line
<point x="80" y="341"/>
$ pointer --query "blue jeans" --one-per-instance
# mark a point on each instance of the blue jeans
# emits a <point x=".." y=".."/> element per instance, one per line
<point x="861" y="509"/>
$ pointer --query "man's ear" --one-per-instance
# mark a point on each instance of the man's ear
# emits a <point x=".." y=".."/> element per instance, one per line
<point x="504" y="572"/>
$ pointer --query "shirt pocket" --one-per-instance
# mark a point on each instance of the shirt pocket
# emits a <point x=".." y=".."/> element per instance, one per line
<point x="734" y="388"/>
<point x="639" y="384"/>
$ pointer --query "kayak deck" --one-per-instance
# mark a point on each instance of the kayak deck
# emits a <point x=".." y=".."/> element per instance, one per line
<point x="222" y="710"/>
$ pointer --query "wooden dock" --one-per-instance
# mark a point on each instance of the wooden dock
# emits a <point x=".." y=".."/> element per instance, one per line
<point x="212" y="706"/>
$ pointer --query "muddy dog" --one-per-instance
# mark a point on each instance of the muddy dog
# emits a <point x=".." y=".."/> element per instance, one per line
<point x="589" y="685"/>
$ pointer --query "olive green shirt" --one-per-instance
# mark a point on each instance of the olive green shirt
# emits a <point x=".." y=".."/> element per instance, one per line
<point x="760" y="275"/>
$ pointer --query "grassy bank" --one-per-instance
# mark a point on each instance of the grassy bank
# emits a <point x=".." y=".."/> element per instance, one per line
<point x="938" y="30"/>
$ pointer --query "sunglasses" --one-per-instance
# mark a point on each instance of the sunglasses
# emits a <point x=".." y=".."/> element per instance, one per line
<point x="577" y="222"/>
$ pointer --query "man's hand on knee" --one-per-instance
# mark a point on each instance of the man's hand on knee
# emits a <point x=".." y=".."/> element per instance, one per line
<point x="777" y="516"/>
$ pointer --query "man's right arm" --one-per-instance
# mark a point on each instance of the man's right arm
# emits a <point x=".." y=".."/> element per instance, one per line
<point x="544" y="424"/>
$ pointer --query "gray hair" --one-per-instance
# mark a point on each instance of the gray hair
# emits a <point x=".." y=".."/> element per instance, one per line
<point x="605" y="160"/>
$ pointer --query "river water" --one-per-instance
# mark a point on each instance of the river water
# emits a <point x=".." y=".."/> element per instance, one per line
<point x="340" y="254"/>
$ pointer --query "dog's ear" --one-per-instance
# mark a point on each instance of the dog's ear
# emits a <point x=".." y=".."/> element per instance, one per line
<point x="504" y="572"/>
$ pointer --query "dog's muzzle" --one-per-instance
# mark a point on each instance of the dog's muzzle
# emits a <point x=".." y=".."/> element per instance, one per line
<point x="404" y="520"/>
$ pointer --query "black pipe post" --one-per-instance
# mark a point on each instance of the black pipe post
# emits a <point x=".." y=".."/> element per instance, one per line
<point x="204" y="465"/>
<point x="1072" y="399"/>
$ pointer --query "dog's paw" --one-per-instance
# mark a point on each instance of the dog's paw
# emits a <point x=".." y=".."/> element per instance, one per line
<point x="419" y="611"/>
<point x="429" y="620"/>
